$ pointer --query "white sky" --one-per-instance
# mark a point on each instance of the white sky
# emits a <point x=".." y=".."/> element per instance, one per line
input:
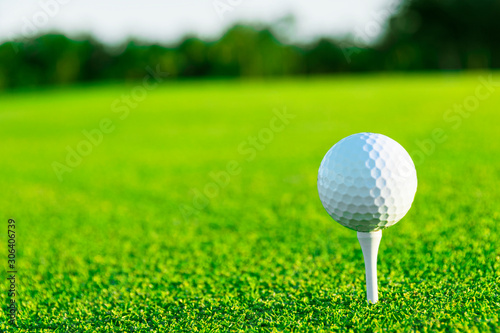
<point x="167" y="21"/>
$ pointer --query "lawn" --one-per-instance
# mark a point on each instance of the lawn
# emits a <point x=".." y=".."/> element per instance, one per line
<point x="196" y="208"/>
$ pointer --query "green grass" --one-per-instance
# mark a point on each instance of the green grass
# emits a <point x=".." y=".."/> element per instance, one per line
<point x="119" y="246"/>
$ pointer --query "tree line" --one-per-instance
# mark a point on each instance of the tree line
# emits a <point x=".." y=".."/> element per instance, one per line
<point x="424" y="35"/>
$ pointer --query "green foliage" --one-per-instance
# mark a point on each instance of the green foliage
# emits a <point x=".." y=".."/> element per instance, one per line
<point x="434" y="34"/>
<point x="110" y="250"/>
<point x="422" y="35"/>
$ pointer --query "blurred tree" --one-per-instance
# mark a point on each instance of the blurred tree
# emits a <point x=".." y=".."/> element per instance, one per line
<point x="424" y="35"/>
<point x="449" y="34"/>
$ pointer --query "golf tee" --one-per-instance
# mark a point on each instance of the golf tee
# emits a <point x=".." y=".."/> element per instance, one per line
<point x="370" y="242"/>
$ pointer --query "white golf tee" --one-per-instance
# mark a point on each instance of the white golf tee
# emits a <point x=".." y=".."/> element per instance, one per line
<point x="370" y="242"/>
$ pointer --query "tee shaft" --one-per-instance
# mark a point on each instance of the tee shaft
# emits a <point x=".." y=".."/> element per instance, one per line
<point x="370" y="242"/>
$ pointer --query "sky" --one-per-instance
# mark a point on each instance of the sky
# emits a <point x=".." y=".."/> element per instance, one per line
<point x="167" y="21"/>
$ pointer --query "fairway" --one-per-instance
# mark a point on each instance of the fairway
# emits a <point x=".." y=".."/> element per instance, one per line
<point x="196" y="207"/>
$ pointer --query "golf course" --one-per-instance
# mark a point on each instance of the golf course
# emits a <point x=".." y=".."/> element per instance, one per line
<point x="192" y="205"/>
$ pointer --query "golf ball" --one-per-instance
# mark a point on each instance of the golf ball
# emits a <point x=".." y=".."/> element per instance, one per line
<point x="367" y="182"/>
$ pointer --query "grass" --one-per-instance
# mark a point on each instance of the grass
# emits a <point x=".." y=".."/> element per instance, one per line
<point x="125" y="244"/>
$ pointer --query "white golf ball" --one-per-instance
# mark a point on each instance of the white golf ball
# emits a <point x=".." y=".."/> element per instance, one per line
<point x="367" y="182"/>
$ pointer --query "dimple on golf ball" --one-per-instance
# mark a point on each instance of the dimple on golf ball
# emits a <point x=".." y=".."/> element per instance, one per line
<point x="367" y="182"/>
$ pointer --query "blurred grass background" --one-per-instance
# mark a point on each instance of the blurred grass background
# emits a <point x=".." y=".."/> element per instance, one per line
<point x="108" y="248"/>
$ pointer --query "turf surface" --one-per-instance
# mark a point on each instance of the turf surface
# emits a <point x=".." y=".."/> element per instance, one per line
<point x="127" y="241"/>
